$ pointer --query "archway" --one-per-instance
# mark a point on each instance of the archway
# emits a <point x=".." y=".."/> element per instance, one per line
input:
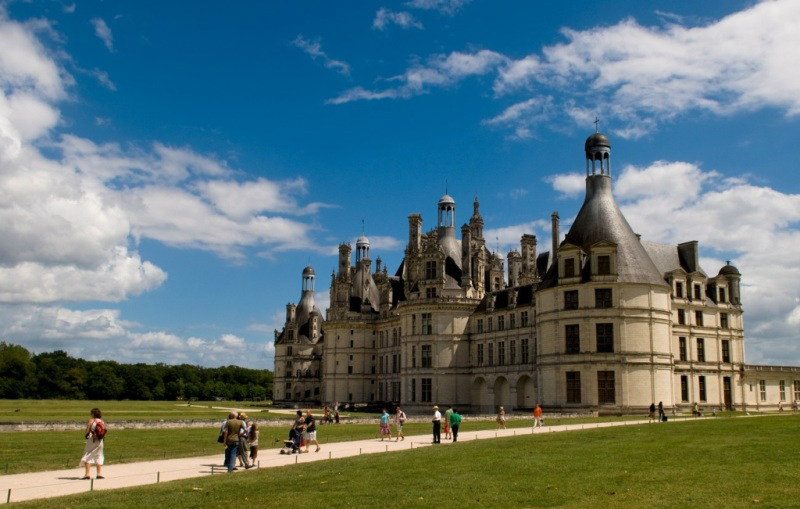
<point x="525" y="392"/>
<point x="502" y="393"/>
<point x="479" y="389"/>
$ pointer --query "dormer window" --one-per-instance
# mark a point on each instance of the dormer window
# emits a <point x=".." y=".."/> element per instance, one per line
<point x="679" y="289"/>
<point x="722" y="295"/>
<point x="288" y="350"/>
<point x="569" y="267"/>
<point x="698" y="292"/>
<point x="603" y="265"/>
<point x="430" y="270"/>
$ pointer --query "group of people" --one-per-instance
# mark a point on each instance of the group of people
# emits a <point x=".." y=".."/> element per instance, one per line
<point x="330" y="418"/>
<point x="662" y="417"/>
<point x="452" y="421"/>
<point x="240" y="436"/>
<point x="399" y="420"/>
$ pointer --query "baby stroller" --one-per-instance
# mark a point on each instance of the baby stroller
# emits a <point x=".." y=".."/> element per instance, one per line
<point x="292" y="446"/>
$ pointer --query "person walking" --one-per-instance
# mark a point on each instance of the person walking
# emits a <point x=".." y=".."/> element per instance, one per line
<point x="93" y="449"/>
<point x="501" y="418"/>
<point x="399" y="420"/>
<point x="437" y="425"/>
<point x="455" y="422"/>
<point x="447" y="414"/>
<point x="311" y="430"/>
<point x="252" y="438"/>
<point x="243" y="449"/>
<point x="661" y="415"/>
<point x="652" y="414"/>
<point x="230" y="437"/>
<point x="537" y="417"/>
<point x="336" y="412"/>
<point x="385" y="429"/>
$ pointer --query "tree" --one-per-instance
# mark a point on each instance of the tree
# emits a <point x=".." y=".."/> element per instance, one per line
<point x="16" y="371"/>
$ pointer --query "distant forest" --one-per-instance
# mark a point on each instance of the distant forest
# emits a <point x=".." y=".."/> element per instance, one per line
<point x="57" y="375"/>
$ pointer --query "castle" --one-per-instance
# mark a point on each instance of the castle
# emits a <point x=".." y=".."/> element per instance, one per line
<point x="602" y="321"/>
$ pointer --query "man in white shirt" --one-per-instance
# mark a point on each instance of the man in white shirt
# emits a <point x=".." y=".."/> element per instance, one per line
<point x="437" y="425"/>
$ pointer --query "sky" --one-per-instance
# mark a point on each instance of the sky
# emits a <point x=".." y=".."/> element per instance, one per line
<point x="168" y="169"/>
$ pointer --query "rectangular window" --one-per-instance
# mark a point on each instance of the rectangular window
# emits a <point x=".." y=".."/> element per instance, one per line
<point x="480" y="355"/>
<point x="513" y="352"/>
<point x="722" y="294"/>
<point x="571" y="299"/>
<point x="523" y="355"/>
<point x="512" y="318"/>
<point x="684" y="388"/>
<point x="349" y="370"/>
<point x="698" y="318"/>
<point x="501" y="353"/>
<point x="501" y="322"/>
<point x="413" y="389"/>
<point x="602" y="297"/>
<point x="678" y="289"/>
<point x="430" y="270"/>
<point x="701" y="350"/>
<point x="762" y="388"/>
<point x="413" y="356"/>
<point x="394" y="364"/>
<point x="797" y="390"/>
<point x="413" y="324"/>
<point x="605" y="337"/>
<point x="572" y="335"/>
<point x="489" y="324"/>
<point x="523" y="317"/>
<point x="569" y="267"/>
<point x="782" y="386"/>
<point x="681" y="317"/>
<point x="430" y="293"/>
<point x="605" y="387"/>
<point x="427" y="324"/>
<point x="289" y="349"/>
<point x="723" y="320"/>
<point x="490" y="349"/>
<point x="427" y="390"/>
<point x="604" y="265"/>
<point x="291" y="335"/>
<point x="480" y="325"/>
<point x="427" y="356"/>
<point x="698" y="293"/>
<point x="573" y="386"/>
<point x="726" y="350"/>
<point x="288" y="386"/>
<point x="682" y="349"/>
<point x="701" y="384"/>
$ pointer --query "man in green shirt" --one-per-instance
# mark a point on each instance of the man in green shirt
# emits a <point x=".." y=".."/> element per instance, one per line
<point x="230" y="437"/>
<point x="447" y="425"/>
<point x="455" y="422"/>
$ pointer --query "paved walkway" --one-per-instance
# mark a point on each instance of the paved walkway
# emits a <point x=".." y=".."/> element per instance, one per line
<point x="55" y="483"/>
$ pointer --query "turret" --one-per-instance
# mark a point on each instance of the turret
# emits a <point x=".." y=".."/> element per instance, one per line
<point x="344" y="259"/>
<point x="514" y="267"/>
<point x="414" y="233"/>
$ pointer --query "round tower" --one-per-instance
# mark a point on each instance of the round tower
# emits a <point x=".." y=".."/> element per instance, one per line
<point x="362" y="248"/>
<point x="598" y="150"/>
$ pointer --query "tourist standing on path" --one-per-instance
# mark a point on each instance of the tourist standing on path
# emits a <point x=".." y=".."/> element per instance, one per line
<point x="93" y="449"/>
<point x="652" y="414"/>
<point x="447" y="414"/>
<point x="537" y="417"/>
<point x="437" y="425"/>
<point x="244" y="448"/>
<point x="230" y="437"/>
<point x="252" y="438"/>
<point x="455" y="422"/>
<point x="336" y="412"/>
<point x="501" y="418"/>
<point x="327" y="418"/>
<point x="385" y="429"/>
<point x="399" y="420"/>
<point x="311" y="430"/>
<point x="661" y="411"/>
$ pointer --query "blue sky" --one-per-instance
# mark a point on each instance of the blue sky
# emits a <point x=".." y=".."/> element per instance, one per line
<point x="168" y="169"/>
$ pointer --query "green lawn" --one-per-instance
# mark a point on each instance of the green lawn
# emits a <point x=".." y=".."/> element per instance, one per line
<point x="62" y="449"/>
<point x="713" y="463"/>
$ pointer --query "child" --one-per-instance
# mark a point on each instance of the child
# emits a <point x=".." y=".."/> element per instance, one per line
<point x="385" y="430"/>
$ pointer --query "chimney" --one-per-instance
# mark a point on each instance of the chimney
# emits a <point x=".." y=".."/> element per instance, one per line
<point x="414" y="232"/>
<point x="556" y="234"/>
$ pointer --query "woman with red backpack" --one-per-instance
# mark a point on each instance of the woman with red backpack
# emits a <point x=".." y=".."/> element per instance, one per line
<point x="93" y="450"/>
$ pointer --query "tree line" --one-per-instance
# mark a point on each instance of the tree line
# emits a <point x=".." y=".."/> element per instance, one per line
<point x="57" y="375"/>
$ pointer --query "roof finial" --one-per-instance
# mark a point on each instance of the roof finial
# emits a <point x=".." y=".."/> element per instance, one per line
<point x="596" y="122"/>
<point x="445" y="186"/>
<point x="728" y="262"/>
<point x="362" y="227"/>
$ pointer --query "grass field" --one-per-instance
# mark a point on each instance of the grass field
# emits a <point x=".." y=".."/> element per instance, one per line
<point x="62" y="449"/>
<point x="744" y="462"/>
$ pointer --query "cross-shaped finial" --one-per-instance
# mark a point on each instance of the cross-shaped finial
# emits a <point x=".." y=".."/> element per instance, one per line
<point x="362" y="226"/>
<point x="596" y="122"/>
<point x="728" y="262"/>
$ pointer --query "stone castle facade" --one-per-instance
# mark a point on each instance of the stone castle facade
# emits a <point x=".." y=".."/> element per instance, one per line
<point x="602" y="321"/>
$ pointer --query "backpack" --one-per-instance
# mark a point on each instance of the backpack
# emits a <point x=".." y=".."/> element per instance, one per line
<point x="100" y="430"/>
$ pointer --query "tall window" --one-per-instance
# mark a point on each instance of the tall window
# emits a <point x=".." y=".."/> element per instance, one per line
<point x="573" y="386"/>
<point x="480" y="325"/>
<point x="430" y="293"/>
<point x="681" y="317"/>
<point x="413" y="389"/>
<point x="413" y="356"/>
<point x="684" y="388"/>
<point x="427" y="392"/>
<point x="523" y="317"/>
<point x="762" y="388"/>
<point x="501" y="322"/>
<point x="427" y="323"/>
<point x="394" y="364"/>
<point x="603" y="265"/>
<point x="682" y="348"/>
<point x="413" y="324"/>
<point x="698" y="292"/>
<point x="726" y="350"/>
<point x="698" y="318"/>
<point x="782" y="386"/>
<point x="722" y="294"/>
<point x="512" y="318"/>
<point x="797" y="390"/>
<point x="571" y="299"/>
<point x="701" y="384"/>
<point x="480" y="355"/>
<point x="501" y="353"/>
<point x="572" y="334"/>
<point x="430" y="270"/>
<point x="513" y="352"/>
<point x="678" y="289"/>
<point x="701" y="350"/>
<point x="605" y="337"/>
<point x="490" y="348"/>
<point x="569" y="267"/>
<point x="289" y="349"/>
<point x="602" y="297"/>
<point x="723" y="320"/>
<point x="427" y="357"/>
<point x="524" y="352"/>
<point x="605" y="387"/>
<point x="489" y="326"/>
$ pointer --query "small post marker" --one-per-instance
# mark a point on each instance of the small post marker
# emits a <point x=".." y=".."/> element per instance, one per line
<point x="329" y="454"/>
<point x="359" y="451"/>
<point x="91" y="484"/>
<point x="259" y="463"/>
<point x="158" y="477"/>
<point x="387" y="448"/>
<point x="296" y="459"/>
<point x="8" y="497"/>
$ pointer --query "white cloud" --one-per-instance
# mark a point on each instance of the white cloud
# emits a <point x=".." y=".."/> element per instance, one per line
<point x="103" y="32"/>
<point x="314" y="50"/>
<point x="568" y="184"/>
<point x="523" y="115"/>
<point x="508" y="237"/>
<point x="403" y="19"/>
<point x="449" y="7"/>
